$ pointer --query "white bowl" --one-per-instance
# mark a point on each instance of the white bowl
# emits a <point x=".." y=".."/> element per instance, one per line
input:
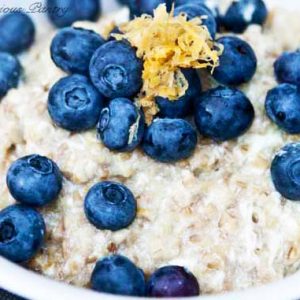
<point x="36" y="287"/>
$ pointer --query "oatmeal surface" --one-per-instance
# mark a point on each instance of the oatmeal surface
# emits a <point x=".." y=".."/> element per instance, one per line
<point x="216" y="213"/>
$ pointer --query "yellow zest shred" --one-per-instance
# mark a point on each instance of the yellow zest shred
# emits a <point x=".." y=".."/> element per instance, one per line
<point x="167" y="43"/>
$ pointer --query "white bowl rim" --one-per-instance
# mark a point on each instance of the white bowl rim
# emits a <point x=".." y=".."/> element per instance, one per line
<point x="33" y="286"/>
<point x="36" y="287"/>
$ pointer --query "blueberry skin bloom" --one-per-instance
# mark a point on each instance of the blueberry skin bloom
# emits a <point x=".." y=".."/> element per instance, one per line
<point x="172" y="281"/>
<point x="72" y="49"/>
<point x="198" y="10"/>
<point x="139" y="7"/>
<point x="110" y="205"/>
<point x="10" y="72"/>
<point x="169" y="140"/>
<point x="17" y="32"/>
<point x="74" y="103"/>
<point x="283" y="107"/>
<point x="287" y="68"/>
<point x="22" y="232"/>
<point x="121" y="125"/>
<point x="243" y="13"/>
<point x="238" y="62"/>
<point x="63" y="13"/>
<point x="181" y="107"/>
<point x="117" y="275"/>
<point x="34" y="180"/>
<point x="116" y="71"/>
<point x="223" y="113"/>
<point x="285" y="171"/>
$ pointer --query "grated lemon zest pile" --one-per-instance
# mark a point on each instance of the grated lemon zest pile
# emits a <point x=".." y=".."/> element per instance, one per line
<point x="167" y="43"/>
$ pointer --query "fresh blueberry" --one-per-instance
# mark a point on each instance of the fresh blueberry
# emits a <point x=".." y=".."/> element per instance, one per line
<point x="110" y="205"/>
<point x="283" y="107"/>
<point x="22" y="232"/>
<point x="74" y="103"/>
<point x="183" y="106"/>
<point x="34" y="180"/>
<point x="73" y="48"/>
<point x="121" y="125"/>
<point x="10" y="71"/>
<point x="223" y="113"/>
<point x="117" y="275"/>
<point x="16" y="32"/>
<point x="172" y="281"/>
<point x="169" y="140"/>
<point x="116" y="71"/>
<point x="238" y="62"/>
<point x="64" y="13"/>
<point x="193" y="10"/>
<point x="139" y="7"/>
<point x="285" y="171"/>
<point x="243" y="13"/>
<point x="287" y="67"/>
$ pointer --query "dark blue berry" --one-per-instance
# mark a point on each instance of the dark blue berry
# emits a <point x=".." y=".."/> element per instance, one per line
<point x="64" y="13"/>
<point x="73" y="48"/>
<point x="199" y="10"/>
<point x="121" y="125"/>
<point x="10" y="71"/>
<point x="116" y="71"/>
<point x="243" y="13"/>
<point x="287" y="67"/>
<point x="74" y="103"/>
<point x="22" y="231"/>
<point x="172" y="281"/>
<point x="110" y="205"/>
<point x="285" y="171"/>
<point x="183" y="106"/>
<point x="117" y="275"/>
<point x="283" y="107"/>
<point x="223" y="113"/>
<point x="139" y="7"/>
<point x="34" y="180"/>
<point x="169" y="140"/>
<point x="17" y="32"/>
<point x="238" y="62"/>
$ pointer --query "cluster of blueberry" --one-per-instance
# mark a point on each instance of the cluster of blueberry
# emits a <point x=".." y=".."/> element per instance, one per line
<point x="104" y="76"/>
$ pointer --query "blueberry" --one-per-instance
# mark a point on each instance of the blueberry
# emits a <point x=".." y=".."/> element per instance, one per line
<point x="287" y="67"/>
<point x="34" y="180"/>
<point x="110" y="205"/>
<point x="283" y="107"/>
<point x="117" y="275"/>
<point x="238" y="62"/>
<point x="22" y="232"/>
<point x="223" y="113"/>
<point x="172" y="281"/>
<point x="243" y="13"/>
<point x="10" y="71"/>
<point x="139" y="7"/>
<point x="116" y="71"/>
<point x="16" y="32"/>
<point x="121" y="125"/>
<point x="64" y="13"/>
<point x="183" y="106"/>
<point x="285" y="171"/>
<point x="74" y="103"/>
<point x="169" y="140"/>
<point x="116" y="30"/>
<point x="199" y="10"/>
<point x="72" y="49"/>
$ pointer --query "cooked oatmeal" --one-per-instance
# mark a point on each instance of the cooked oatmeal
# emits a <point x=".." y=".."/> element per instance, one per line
<point x="216" y="213"/>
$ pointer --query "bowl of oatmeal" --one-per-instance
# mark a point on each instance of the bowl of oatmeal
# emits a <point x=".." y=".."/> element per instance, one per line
<point x="216" y="212"/>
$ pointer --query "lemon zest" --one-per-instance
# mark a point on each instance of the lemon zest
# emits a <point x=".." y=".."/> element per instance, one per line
<point x="166" y="44"/>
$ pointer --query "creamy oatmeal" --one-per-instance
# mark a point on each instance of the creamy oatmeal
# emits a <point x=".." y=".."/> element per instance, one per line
<point x="216" y="213"/>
